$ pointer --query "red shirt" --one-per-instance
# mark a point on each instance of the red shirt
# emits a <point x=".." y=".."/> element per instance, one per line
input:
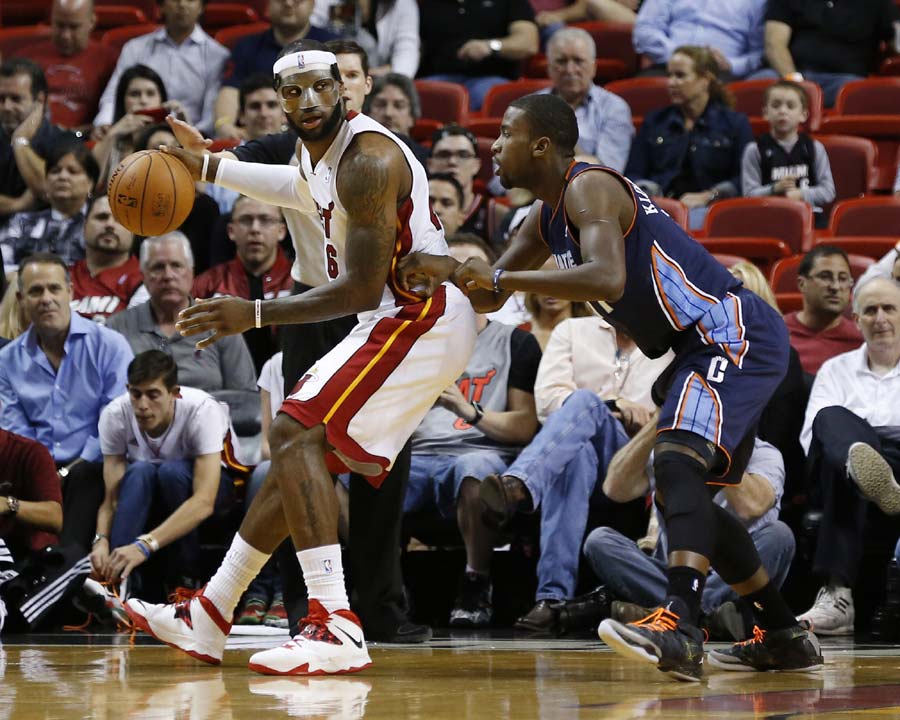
<point x="76" y="82"/>
<point x="230" y="278"/>
<point x="106" y="293"/>
<point x="815" y="347"/>
<point x="27" y="472"/>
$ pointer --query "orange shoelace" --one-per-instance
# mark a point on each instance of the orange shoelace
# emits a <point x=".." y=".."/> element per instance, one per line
<point x="122" y="625"/>
<point x="759" y="635"/>
<point x="660" y="620"/>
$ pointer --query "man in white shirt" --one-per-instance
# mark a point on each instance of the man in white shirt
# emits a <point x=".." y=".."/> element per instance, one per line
<point x="161" y="444"/>
<point x="852" y="438"/>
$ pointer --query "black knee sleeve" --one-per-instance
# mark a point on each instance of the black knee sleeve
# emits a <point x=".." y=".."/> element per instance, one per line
<point x="687" y="507"/>
<point x="735" y="557"/>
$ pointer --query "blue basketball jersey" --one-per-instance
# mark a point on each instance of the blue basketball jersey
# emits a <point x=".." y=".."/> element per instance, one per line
<point x="672" y="284"/>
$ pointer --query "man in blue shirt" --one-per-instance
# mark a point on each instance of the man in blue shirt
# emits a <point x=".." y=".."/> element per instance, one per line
<point x="54" y="381"/>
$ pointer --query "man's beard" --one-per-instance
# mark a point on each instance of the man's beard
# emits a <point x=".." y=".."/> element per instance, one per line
<point x="330" y="123"/>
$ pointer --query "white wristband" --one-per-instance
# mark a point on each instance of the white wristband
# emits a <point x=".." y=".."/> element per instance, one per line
<point x="257" y="312"/>
<point x="204" y="168"/>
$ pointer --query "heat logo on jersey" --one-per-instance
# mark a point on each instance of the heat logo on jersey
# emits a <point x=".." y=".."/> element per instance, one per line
<point x="472" y="389"/>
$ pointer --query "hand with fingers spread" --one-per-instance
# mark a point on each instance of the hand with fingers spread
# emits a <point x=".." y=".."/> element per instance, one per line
<point x="189" y="137"/>
<point x="221" y="316"/>
<point x="422" y="274"/>
<point x="474" y="274"/>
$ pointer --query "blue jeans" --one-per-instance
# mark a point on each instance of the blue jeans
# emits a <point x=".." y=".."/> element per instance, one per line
<point x="170" y="483"/>
<point x="560" y="468"/>
<point x="634" y="576"/>
<point x="434" y="480"/>
<point x="477" y="86"/>
<point x="831" y="83"/>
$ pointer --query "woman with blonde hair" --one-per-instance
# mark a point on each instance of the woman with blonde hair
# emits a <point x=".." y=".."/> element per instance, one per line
<point x="12" y="316"/>
<point x="755" y="282"/>
<point x="547" y="312"/>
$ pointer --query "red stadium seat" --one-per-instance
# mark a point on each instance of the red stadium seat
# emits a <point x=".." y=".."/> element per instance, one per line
<point x="24" y="12"/>
<point x="16" y="40"/>
<point x="150" y="8"/>
<point x="230" y="35"/>
<point x="444" y="101"/>
<point x="748" y="99"/>
<point x="117" y="37"/>
<point x="872" y="96"/>
<point x="424" y="129"/>
<point x="866" y="216"/>
<point x="787" y="220"/>
<point x="488" y="127"/>
<point x="883" y="130"/>
<point x="613" y="41"/>
<point x="783" y="277"/>
<point x="728" y="260"/>
<point x="642" y="94"/>
<point x="761" y="251"/>
<point x="853" y="164"/>
<point x="676" y="209"/>
<point x="605" y="69"/>
<point x="789" y="302"/>
<point x="218" y="15"/>
<point x="500" y="96"/>
<point x="873" y="246"/>
<point x="113" y="16"/>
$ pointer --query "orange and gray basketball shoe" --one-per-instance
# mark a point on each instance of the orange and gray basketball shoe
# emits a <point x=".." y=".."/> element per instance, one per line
<point x="193" y="625"/>
<point x="793" y="649"/>
<point x="661" y="638"/>
<point x="327" y="644"/>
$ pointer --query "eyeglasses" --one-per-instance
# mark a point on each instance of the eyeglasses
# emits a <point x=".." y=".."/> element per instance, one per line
<point x="246" y="221"/>
<point x="827" y="278"/>
<point x="458" y="154"/>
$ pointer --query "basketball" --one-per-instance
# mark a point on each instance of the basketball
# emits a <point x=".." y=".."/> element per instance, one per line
<point x="151" y="193"/>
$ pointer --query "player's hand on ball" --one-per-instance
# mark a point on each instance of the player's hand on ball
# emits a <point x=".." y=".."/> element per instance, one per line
<point x="194" y="163"/>
<point x="422" y="274"/>
<point x="220" y="316"/>
<point x="474" y="274"/>
<point x="188" y="136"/>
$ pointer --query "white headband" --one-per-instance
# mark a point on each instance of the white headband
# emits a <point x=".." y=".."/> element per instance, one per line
<point x="302" y="60"/>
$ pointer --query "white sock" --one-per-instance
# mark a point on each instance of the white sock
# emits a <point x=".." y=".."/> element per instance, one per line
<point x="323" y="573"/>
<point x="242" y="563"/>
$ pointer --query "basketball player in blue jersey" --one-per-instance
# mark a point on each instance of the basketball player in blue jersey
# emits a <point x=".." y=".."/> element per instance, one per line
<point x="617" y="250"/>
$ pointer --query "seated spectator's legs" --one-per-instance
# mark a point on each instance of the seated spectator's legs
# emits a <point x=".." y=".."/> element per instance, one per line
<point x="461" y="490"/>
<point x="625" y="570"/>
<point x="136" y="492"/>
<point x="83" y="492"/>
<point x="477" y="86"/>
<point x="831" y="83"/>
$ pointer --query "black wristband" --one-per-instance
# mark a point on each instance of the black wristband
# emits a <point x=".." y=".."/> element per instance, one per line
<point x="479" y="413"/>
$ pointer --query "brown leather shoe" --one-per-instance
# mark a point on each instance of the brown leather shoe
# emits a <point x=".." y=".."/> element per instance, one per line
<point x="501" y="498"/>
<point x="542" y="619"/>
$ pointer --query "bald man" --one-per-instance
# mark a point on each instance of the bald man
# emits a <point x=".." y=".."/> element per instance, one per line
<point x="852" y="437"/>
<point x="76" y="67"/>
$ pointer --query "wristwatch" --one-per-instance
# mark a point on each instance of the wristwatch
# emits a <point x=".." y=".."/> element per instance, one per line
<point x="479" y="413"/>
<point x="12" y="505"/>
<point x="495" y="45"/>
<point x="63" y="472"/>
<point x="21" y="141"/>
<point x="98" y="537"/>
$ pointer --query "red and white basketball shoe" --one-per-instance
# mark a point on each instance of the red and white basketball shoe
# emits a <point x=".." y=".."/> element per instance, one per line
<point x="193" y="625"/>
<point x="328" y="644"/>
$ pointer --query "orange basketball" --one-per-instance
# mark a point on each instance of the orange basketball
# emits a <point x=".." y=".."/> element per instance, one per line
<point x="151" y="193"/>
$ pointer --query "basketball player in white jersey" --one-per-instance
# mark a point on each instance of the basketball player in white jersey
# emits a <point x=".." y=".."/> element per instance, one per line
<point x="355" y="408"/>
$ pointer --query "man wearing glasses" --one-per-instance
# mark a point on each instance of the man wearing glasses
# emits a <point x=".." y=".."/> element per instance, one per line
<point x="821" y="330"/>
<point x="260" y="269"/>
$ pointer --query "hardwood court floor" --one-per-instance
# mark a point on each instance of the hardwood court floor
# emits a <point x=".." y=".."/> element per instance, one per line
<point x="466" y="677"/>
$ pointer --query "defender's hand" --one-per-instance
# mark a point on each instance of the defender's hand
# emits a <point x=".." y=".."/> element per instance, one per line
<point x="221" y="316"/>
<point x="474" y="274"/>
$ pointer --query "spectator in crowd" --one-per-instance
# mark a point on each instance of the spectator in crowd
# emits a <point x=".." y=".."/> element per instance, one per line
<point x="388" y="30"/>
<point x="633" y="576"/>
<point x="731" y="30"/>
<point x="255" y="54"/>
<point x="605" y="128"/>
<point x="547" y="312"/>
<point x="592" y="392"/>
<point x="104" y="282"/>
<point x="786" y="161"/>
<point x="394" y="103"/>
<point x="829" y="45"/>
<point x="140" y="96"/>
<point x="76" y="67"/>
<point x="852" y="449"/>
<point x="162" y="445"/>
<point x="259" y="114"/>
<point x="476" y="44"/>
<point x="180" y="51"/>
<point x="12" y="313"/>
<point x="820" y="329"/>
<point x="26" y="136"/>
<point x="446" y="197"/>
<point x="691" y="150"/>
<point x="353" y="64"/>
<point x="72" y="174"/>
<point x="259" y="271"/>
<point x="475" y="429"/>
<point x="225" y="369"/>
<point x="454" y="150"/>
<point x="55" y="379"/>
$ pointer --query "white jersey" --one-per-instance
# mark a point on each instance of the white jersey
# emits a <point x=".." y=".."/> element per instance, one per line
<point x="418" y="229"/>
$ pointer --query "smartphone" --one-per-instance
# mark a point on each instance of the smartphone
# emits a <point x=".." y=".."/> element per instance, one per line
<point x="158" y="114"/>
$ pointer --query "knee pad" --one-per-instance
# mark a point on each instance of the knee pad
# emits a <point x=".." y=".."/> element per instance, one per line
<point x="686" y="504"/>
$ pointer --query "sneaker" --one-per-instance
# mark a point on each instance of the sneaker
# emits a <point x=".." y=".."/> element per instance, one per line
<point x="276" y="615"/>
<point x="193" y="625"/>
<point x="99" y="600"/>
<point x="628" y="612"/>
<point x="831" y="614"/>
<point x="328" y="644"/>
<point x="661" y="638"/>
<point x="473" y="606"/>
<point x="874" y="477"/>
<point x="730" y="622"/>
<point x="253" y="612"/>
<point x="791" y="650"/>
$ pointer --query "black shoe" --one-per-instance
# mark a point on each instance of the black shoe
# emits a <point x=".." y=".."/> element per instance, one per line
<point x="661" y="638"/>
<point x="473" y="608"/>
<point x="407" y="632"/>
<point x="542" y="619"/>
<point x="501" y="498"/>
<point x="627" y="612"/>
<point x="585" y="611"/>
<point x="731" y="622"/>
<point x="790" y="650"/>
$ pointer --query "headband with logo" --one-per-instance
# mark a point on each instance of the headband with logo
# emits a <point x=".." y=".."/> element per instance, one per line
<point x="303" y="61"/>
